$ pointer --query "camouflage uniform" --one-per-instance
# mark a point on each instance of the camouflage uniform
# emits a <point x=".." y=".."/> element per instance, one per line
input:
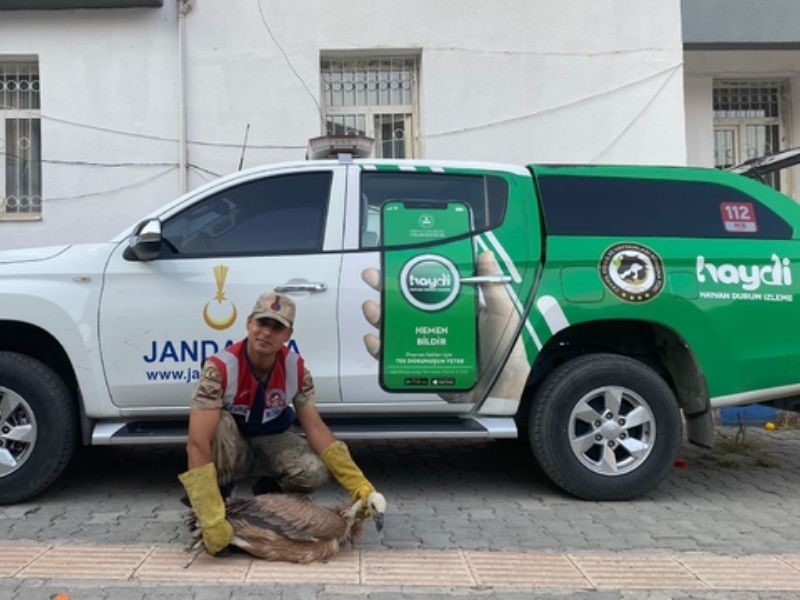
<point x="285" y="457"/>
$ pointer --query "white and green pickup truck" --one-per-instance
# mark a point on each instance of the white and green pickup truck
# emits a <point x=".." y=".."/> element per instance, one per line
<point x="593" y="310"/>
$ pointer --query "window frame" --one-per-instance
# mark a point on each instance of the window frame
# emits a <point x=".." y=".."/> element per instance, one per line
<point x="371" y="112"/>
<point x="487" y="226"/>
<point x="738" y="125"/>
<point x="19" y="68"/>
<point x="219" y="191"/>
<point x="558" y="198"/>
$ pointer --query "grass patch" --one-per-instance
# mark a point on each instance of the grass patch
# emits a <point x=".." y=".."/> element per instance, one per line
<point x="738" y="450"/>
<point x="739" y="443"/>
<point x="788" y="420"/>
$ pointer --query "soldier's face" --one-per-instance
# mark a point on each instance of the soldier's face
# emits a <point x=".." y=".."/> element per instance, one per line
<point x="266" y="336"/>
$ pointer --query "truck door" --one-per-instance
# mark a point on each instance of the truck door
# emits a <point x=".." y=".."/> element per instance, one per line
<point x="434" y="289"/>
<point x="279" y="231"/>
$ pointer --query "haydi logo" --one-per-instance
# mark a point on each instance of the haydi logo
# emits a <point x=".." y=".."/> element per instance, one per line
<point x="423" y="283"/>
<point x="750" y="277"/>
<point x="430" y="282"/>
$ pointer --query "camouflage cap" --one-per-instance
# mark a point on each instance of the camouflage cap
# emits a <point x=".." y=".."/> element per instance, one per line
<point x="274" y="306"/>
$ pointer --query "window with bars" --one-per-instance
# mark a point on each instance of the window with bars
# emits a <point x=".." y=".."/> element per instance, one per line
<point x="749" y="118"/>
<point x="375" y="97"/>
<point x="20" y="141"/>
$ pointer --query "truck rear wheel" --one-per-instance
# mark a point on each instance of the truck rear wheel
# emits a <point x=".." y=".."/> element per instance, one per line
<point x="605" y="427"/>
<point x="38" y="427"/>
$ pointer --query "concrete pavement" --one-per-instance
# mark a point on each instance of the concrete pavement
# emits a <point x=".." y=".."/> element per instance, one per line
<point x="474" y="518"/>
<point x="451" y="569"/>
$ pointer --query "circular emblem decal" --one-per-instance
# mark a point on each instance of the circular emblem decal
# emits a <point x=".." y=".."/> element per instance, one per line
<point x="426" y="221"/>
<point x="430" y="282"/>
<point x="632" y="272"/>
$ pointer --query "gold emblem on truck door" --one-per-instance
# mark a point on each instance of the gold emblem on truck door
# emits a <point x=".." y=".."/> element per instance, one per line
<point x="220" y="313"/>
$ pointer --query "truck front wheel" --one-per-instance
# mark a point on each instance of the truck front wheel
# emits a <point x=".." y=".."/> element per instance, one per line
<point x="38" y="427"/>
<point x="605" y="427"/>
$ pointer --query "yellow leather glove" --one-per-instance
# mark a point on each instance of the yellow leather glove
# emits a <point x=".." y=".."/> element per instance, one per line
<point x="209" y="507"/>
<point x="339" y="462"/>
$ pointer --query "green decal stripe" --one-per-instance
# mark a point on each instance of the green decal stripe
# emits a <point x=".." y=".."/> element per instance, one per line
<point x="396" y="168"/>
<point x="528" y="326"/>
<point x="504" y="256"/>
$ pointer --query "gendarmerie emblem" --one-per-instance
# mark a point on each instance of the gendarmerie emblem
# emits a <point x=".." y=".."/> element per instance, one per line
<point x="632" y="272"/>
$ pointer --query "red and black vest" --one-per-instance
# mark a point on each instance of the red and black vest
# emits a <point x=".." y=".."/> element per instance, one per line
<point x="259" y="407"/>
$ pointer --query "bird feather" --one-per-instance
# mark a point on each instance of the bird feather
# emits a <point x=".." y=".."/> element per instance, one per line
<point x="294" y="516"/>
<point x="289" y="527"/>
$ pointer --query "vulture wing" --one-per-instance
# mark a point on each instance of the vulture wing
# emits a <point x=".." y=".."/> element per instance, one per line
<point x="293" y="516"/>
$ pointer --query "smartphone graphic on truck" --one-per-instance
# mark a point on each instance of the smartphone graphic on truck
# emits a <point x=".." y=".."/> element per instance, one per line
<point x="429" y="318"/>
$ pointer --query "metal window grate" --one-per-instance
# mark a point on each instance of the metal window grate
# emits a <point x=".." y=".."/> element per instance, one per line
<point x="747" y="99"/>
<point x="20" y="141"/>
<point x="19" y="86"/>
<point x="749" y="121"/>
<point x="373" y="96"/>
<point x="353" y="124"/>
<point x="373" y="82"/>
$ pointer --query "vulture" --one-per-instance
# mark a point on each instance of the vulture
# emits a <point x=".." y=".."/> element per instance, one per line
<point x="292" y="527"/>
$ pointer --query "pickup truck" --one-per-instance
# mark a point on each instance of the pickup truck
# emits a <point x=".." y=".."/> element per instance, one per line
<point x="595" y="312"/>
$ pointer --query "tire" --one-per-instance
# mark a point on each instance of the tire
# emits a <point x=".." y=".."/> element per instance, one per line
<point x="605" y="427"/>
<point x="38" y="427"/>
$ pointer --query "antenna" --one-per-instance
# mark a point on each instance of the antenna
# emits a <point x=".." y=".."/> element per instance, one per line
<point x="244" y="146"/>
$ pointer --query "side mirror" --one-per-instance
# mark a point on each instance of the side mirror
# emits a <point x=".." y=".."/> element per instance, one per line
<point x="145" y="243"/>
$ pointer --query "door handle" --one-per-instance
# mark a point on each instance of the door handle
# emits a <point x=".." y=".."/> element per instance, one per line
<point x="308" y="286"/>
<point x="487" y="279"/>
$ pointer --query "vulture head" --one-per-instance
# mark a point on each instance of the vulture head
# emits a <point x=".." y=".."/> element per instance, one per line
<point x="376" y="508"/>
<point x="292" y="527"/>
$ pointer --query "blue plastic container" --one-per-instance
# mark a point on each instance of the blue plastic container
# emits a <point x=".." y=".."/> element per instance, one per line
<point x="753" y="414"/>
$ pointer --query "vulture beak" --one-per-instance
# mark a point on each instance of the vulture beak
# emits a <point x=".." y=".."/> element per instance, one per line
<point x="377" y="508"/>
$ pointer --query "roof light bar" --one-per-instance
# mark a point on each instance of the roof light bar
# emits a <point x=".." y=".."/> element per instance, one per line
<point x="343" y="147"/>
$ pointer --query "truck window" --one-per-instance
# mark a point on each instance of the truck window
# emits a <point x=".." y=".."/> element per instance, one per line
<point x="275" y="215"/>
<point x="615" y="206"/>
<point x="487" y="196"/>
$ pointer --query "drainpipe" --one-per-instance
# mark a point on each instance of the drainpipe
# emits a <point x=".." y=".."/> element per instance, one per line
<point x="184" y="6"/>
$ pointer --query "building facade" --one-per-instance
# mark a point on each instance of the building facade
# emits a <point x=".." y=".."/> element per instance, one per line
<point x="111" y="108"/>
<point x="742" y="82"/>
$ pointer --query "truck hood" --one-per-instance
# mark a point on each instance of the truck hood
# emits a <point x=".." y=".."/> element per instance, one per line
<point x="31" y="254"/>
<point x="75" y="258"/>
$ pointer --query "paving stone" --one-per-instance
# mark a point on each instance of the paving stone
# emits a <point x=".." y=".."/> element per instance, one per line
<point x="437" y="540"/>
<point x="453" y="495"/>
<point x="104" y="518"/>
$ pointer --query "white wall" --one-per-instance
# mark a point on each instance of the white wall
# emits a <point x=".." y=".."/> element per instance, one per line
<point x="103" y="72"/>
<point x="516" y="81"/>
<point x="697" y="92"/>
<point x="702" y="67"/>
